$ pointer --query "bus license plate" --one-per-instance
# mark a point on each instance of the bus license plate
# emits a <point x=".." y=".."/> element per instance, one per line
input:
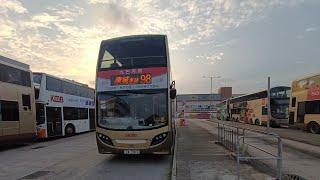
<point x="130" y="151"/>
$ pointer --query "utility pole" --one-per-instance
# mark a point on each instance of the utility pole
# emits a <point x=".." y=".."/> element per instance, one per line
<point x="211" y="86"/>
<point x="269" y="107"/>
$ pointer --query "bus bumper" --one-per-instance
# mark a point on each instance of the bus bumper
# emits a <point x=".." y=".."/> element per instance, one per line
<point x="279" y="122"/>
<point x="162" y="148"/>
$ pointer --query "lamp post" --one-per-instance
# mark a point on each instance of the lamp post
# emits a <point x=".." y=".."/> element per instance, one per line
<point x="269" y="107"/>
<point x="211" y="86"/>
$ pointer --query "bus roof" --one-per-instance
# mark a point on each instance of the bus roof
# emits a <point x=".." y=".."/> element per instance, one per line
<point x="14" y="62"/>
<point x="307" y="77"/>
<point x="64" y="79"/>
<point x="276" y="87"/>
<point x="132" y="36"/>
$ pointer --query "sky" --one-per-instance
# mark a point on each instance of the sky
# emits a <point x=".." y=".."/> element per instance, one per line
<point x="241" y="41"/>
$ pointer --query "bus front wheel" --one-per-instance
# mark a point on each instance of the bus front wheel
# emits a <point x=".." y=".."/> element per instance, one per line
<point x="257" y="122"/>
<point x="69" y="130"/>
<point x="314" y="128"/>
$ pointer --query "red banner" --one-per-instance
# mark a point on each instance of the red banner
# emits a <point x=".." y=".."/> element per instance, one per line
<point x="314" y="93"/>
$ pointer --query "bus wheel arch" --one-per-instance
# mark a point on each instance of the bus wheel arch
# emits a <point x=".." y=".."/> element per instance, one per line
<point x="257" y="122"/>
<point x="70" y="130"/>
<point x="313" y="127"/>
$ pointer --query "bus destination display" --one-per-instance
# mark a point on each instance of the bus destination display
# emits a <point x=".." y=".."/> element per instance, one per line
<point x="131" y="79"/>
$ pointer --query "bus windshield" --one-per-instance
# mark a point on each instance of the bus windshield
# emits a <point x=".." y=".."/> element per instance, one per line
<point x="133" y="110"/>
<point x="280" y="108"/>
<point x="133" y="52"/>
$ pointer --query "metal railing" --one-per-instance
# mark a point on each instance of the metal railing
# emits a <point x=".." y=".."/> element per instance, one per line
<point x="234" y="139"/>
<point x="227" y="136"/>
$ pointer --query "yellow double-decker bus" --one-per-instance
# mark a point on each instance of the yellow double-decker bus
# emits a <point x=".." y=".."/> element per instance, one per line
<point x="17" y="107"/>
<point x="305" y="103"/>
<point x="252" y="108"/>
<point x="134" y="96"/>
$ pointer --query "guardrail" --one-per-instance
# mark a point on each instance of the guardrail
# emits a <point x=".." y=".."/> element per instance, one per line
<point x="234" y="139"/>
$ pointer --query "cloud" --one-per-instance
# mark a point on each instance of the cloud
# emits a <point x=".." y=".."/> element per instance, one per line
<point x="64" y="39"/>
<point x="6" y="28"/>
<point x="209" y="58"/>
<point x="113" y="14"/>
<point x="12" y="5"/>
<point x="99" y="1"/>
<point x="310" y="29"/>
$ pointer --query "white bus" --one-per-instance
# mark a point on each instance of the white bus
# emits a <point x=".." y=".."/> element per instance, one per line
<point x="63" y="107"/>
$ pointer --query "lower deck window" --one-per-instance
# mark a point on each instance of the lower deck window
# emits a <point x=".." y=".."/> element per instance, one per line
<point x="72" y="113"/>
<point x="26" y="101"/>
<point x="9" y="111"/>
<point x="313" y="107"/>
<point x="264" y="110"/>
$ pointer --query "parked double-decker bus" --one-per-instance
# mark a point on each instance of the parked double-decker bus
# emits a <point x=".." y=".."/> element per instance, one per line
<point x="63" y="107"/>
<point x="222" y="111"/>
<point x="305" y="103"/>
<point x="133" y="92"/>
<point x="252" y="108"/>
<point x="17" y="110"/>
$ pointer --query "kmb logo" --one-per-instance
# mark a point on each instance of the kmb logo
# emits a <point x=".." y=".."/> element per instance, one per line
<point x="57" y="99"/>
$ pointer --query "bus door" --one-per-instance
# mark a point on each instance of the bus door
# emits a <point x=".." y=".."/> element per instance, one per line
<point x="54" y="121"/>
<point x="92" y="119"/>
<point x="301" y="112"/>
<point x="291" y="118"/>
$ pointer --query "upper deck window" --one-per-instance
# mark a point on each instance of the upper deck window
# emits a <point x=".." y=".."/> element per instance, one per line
<point x="133" y="52"/>
<point x="280" y="92"/>
<point x="14" y="76"/>
<point x="57" y="85"/>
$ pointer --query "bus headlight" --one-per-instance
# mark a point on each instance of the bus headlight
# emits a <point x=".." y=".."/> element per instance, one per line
<point x="105" y="139"/>
<point x="159" y="138"/>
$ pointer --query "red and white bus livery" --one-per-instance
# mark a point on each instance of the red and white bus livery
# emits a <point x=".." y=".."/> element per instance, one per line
<point x="63" y="107"/>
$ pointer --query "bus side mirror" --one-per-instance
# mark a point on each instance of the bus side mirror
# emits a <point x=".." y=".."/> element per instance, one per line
<point x="173" y="93"/>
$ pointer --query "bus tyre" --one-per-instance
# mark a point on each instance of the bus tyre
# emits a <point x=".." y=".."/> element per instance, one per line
<point x="69" y="130"/>
<point x="257" y="122"/>
<point x="273" y="124"/>
<point x="314" y="128"/>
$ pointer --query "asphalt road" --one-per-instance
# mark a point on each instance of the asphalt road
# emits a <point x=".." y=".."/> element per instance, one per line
<point x="78" y="158"/>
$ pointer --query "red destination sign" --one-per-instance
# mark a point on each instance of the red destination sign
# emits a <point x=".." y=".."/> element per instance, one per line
<point x="132" y="79"/>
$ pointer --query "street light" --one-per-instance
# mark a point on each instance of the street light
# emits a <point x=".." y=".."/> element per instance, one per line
<point x="211" y="86"/>
<point x="211" y="81"/>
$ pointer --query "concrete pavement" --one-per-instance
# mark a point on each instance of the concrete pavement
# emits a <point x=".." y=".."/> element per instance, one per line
<point x="295" y="161"/>
<point x="198" y="157"/>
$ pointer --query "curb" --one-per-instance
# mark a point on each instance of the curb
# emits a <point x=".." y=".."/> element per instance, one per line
<point x="174" y="161"/>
